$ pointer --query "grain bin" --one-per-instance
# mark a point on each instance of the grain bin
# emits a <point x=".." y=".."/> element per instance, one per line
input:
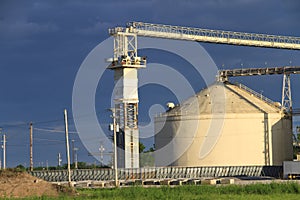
<point x="224" y="125"/>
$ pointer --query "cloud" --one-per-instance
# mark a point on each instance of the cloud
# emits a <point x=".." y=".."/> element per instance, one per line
<point x="21" y="29"/>
<point x="16" y="21"/>
<point x="292" y="5"/>
<point x="95" y="28"/>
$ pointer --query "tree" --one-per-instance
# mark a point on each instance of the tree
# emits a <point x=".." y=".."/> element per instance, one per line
<point x="141" y="147"/>
<point x="151" y="149"/>
<point x="146" y="157"/>
<point x="20" y="168"/>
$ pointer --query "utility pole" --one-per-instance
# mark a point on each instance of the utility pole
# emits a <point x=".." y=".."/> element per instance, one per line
<point x="73" y="153"/>
<point x="59" y="159"/>
<point x="115" y="147"/>
<point x="31" y="147"/>
<point x="67" y="146"/>
<point x="76" y="159"/>
<point x="4" y="151"/>
<point x="101" y="149"/>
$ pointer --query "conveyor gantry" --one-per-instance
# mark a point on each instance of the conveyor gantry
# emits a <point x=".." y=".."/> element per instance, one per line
<point x="287" y="70"/>
<point x="213" y="36"/>
<point x="286" y="102"/>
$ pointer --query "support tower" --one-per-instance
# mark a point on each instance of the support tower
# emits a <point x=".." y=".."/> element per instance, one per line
<point x="125" y="64"/>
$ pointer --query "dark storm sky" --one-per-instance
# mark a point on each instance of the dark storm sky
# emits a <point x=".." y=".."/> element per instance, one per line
<point x="43" y="43"/>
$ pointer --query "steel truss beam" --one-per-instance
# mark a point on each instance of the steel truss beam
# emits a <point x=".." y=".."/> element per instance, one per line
<point x="213" y="36"/>
<point x="224" y="74"/>
<point x="286" y="101"/>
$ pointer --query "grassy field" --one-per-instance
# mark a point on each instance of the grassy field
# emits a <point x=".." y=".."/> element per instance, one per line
<point x="255" y="191"/>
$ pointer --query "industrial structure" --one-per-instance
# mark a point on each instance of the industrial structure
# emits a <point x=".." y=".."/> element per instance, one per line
<point x="234" y="126"/>
<point x="125" y="63"/>
<point x="286" y="100"/>
<point x="253" y="130"/>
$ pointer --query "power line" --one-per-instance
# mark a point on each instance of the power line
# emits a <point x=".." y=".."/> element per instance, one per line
<point x="49" y="140"/>
<point x="17" y="145"/>
<point x="49" y="144"/>
<point x="48" y="121"/>
<point x="14" y="125"/>
<point x="53" y="130"/>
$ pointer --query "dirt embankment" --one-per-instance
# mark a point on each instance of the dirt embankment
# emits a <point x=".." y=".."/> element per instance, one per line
<point x="21" y="184"/>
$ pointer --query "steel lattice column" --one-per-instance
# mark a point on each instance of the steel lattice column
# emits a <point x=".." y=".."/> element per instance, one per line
<point x="286" y="93"/>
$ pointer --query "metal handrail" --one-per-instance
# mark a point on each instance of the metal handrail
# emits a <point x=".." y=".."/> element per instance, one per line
<point x="258" y="95"/>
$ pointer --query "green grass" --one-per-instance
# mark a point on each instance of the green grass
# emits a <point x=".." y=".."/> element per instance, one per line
<point x="255" y="191"/>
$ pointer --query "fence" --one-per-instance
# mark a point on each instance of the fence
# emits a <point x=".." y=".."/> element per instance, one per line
<point x="159" y="173"/>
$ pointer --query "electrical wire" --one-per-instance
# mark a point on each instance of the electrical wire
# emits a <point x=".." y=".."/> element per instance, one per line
<point x="52" y="130"/>
<point x="49" y="140"/>
<point x="49" y="121"/>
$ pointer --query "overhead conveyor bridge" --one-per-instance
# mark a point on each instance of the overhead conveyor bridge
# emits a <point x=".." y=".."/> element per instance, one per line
<point x="286" y="100"/>
<point x="211" y="36"/>
<point x="224" y="74"/>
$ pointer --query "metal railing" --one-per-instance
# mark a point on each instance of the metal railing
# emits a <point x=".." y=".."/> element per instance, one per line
<point x="258" y="95"/>
<point x="159" y="173"/>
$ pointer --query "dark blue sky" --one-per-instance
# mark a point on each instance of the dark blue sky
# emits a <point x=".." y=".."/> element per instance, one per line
<point x="43" y="43"/>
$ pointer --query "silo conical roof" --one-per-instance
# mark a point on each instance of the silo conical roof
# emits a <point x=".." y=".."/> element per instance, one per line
<point x="226" y="98"/>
